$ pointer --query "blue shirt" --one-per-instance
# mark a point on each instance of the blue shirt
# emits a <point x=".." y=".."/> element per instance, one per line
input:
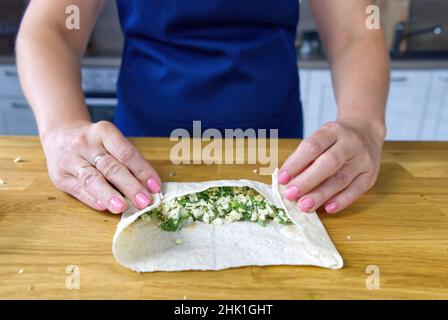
<point x="229" y="63"/>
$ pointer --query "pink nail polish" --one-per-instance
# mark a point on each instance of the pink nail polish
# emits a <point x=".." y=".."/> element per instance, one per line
<point x="153" y="185"/>
<point x="100" y="205"/>
<point x="306" y="204"/>
<point x="142" y="200"/>
<point x="283" y="177"/>
<point x="292" y="193"/>
<point x="116" y="204"/>
<point x="331" y="207"/>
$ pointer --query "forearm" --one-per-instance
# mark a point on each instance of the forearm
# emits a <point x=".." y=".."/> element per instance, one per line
<point x="360" y="73"/>
<point x="50" y="75"/>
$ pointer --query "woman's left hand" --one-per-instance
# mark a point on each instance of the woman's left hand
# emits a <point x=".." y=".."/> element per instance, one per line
<point x="334" y="166"/>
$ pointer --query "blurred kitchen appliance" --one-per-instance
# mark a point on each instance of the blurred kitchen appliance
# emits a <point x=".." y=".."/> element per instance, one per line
<point x="424" y="14"/>
<point x="401" y="35"/>
<point x="392" y="12"/>
<point x="311" y="44"/>
<point x="11" y="12"/>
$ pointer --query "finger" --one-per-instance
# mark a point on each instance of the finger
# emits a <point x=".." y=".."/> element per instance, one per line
<point x="322" y="168"/>
<point x="356" y="189"/>
<point x="336" y="183"/>
<point x="118" y="146"/>
<point x="117" y="174"/>
<point x="310" y="148"/>
<point x="94" y="183"/>
<point x="73" y="187"/>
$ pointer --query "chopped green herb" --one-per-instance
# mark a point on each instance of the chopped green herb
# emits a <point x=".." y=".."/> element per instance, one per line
<point x="216" y="205"/>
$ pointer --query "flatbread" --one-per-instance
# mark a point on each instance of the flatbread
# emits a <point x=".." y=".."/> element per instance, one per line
<point x="143" y="247"/>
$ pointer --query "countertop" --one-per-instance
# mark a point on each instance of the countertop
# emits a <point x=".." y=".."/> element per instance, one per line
<point x="399" y="227"/>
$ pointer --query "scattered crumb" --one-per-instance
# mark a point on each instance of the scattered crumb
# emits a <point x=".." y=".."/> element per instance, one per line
<point x="185" y="297"/>
<point x="20" y="271"/>
<point x="30" y="288"/>
<point x="18" y="159"/>
<point x="349" y="237"/>
<point x="2" y="183"/>
<point x="178" y="241"/>
<point x="51" y="198"/>
<point x="255" y="170"/>
<point x="172" y="174"/>
<point x="106" y="220"/>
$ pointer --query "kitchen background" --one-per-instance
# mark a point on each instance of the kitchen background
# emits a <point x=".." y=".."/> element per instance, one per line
<point x="417" y="33"/>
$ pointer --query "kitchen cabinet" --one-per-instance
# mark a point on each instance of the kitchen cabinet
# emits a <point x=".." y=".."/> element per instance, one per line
<point x="407" y="104"/>
<point x="17" y="117"/>
<point x="417" y="107"/>
<point x="435" y="124"/>
<point x="9" y="82"/>
<point x="321" y="106"/>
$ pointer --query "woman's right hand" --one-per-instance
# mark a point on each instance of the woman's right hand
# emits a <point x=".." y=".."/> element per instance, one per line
<point x="96" y="164"/>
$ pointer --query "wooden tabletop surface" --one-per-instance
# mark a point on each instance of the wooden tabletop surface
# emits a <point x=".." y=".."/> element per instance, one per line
<point x="399" y="229"/>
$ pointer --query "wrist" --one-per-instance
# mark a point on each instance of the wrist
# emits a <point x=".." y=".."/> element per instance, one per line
<point x="48" y="132"/>
<point x="373" y="127"/>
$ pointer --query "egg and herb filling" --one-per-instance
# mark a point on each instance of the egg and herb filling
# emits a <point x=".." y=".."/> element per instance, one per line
<point x="217" y="205"/>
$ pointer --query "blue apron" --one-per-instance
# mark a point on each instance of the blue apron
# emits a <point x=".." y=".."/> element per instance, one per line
<point x="229" y="63"/>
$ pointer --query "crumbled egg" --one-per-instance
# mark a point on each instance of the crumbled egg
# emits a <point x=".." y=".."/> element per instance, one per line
<point x="216" y="205"/>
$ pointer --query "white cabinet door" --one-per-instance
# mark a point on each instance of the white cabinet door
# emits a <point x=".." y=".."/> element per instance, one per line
<point x="304" y="92"/>
<point x="435" y="126"/>
<point x="9" y="81"/>
<point x="408" y="98"/>
<point x="406" y="107"/>
<point x="17" y="117"/>
<point x="321" y="103"/>
<point x="442" y="125"/>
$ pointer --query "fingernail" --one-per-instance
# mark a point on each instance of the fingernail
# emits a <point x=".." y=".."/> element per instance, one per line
<point x="283" y="178"/>
<point x="331" y="207"/>
<point x="292" y="193"/>
<point x="153" y="185"/>
<point x="142" y="200"/>
<point x="116" y="204"/>
<point x="306" y="204"/>
<point x="100" y="205"/>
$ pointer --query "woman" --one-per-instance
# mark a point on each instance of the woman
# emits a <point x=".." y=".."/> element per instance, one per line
<point x="230" y="64"/>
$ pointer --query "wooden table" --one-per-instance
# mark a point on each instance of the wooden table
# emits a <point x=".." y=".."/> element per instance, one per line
<point x="400" y="226"/>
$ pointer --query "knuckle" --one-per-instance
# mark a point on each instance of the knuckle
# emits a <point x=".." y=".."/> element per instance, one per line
<point x="311" y="146"/>
<point x="330" y="160"/>
<point x="103" y="125"/>
<point x="88" y="177"/>
<point x="75" y="190"/>
<point x="373" y="164"/>
<point x="142" y="174"/>
<point x="77" y="142"/>
<point x="355" y="141"/>
<point x="341" y="178"/>
<point x="62" y="163"/>
<point x="126" y="154"/>
<point x="358" y="190"/>
<point x="130" y="187"/>
<point x="371" y="182"/>
<point x="111" y="167"/>
<point x="333" y="125"/>
<point x="57" y="180"/>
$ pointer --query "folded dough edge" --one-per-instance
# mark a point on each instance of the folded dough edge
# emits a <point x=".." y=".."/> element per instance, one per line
<point x="144" y="247"/>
